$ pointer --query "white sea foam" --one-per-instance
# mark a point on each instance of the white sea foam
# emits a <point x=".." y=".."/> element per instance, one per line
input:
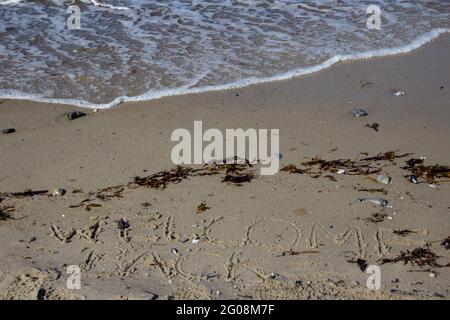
<point x="151" y="95"/>
<point x="5" y="2"/>
<point x="139" y="50"/>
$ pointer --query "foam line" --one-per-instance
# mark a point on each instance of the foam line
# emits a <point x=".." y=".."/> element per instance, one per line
<point x="151" y="95"/>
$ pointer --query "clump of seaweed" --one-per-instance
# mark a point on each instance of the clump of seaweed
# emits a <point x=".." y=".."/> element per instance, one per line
<point x="366" y="166"/>
<point x="419" y="256"/>
<point x="429" y="173"/>
<point x="202" y="207"/>
<point x="377" y="217"/>
<point x="373" y="126"/>
<point x="235" y="172"/>
<point x="108" y="193"/>
<point x="161" y="179"/>
<point x="290" y="168"/>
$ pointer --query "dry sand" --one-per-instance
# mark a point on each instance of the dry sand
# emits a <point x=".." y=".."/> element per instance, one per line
<point x="249" y="230"/>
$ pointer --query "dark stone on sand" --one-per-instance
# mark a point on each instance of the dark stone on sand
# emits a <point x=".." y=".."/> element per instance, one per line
<point x="41" y="295"/>
<point x="8" y="131"/>
<point x="75" y="115"/>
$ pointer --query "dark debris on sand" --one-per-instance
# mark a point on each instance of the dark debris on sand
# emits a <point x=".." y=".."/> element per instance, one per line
<point x="362" y="264"/>
<point x="403" y="232"/>
<point x="419" y="256"/>
<point x="446" y="243"/>
<point x="365" y="166"/>
<point x="429" y="173"/>
<point x="236" y="173"/>
<point x="6" y="213"/>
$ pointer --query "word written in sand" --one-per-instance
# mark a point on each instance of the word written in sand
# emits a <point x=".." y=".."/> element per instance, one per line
<point x="237" y="141"/>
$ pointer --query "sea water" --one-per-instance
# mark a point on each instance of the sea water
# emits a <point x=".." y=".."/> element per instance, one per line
<point x="131" y="50"/>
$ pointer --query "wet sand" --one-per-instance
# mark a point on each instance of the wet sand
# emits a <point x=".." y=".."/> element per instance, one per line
<point x="287" y="236"/>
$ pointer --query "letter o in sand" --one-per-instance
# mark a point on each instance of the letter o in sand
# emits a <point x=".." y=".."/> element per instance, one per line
<point x="274" y="234"/>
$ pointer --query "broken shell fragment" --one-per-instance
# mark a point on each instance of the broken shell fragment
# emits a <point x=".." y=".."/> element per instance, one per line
<point x="399" y="93"/>
<point x="384" y="179"/>
<point x="58" y="192"/>
<point x="376" y="201"/>
<point x="359" y="113"/>
<point x="413" y="179"/>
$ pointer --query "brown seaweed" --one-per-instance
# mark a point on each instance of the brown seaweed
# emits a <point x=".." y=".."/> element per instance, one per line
<point x="419" y="256"/>
<point x="372" y="190"/>
<point x="202" y="207"/>
<point x="161" y="179"/>
<point x="430" y="173"/>
<point x="297" y="253"/>
<point x="373" y="126"/>
<point x="377" y="217"/>
<point x="292" y="169"/>
<point x="403" y="232"/>
<point x="387" y="156"/>
<point x="26" y="193"/>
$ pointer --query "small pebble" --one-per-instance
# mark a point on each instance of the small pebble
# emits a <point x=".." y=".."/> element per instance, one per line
<point x="359" y="113"/>
<point x="8" y="131"/>
<point x="384" y="179"/>
<point x="413" y="179"/>
<point x="75" y="115"/>
<point x="58" y="192"/>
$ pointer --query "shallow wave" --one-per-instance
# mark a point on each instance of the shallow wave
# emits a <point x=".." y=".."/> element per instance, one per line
<point x="146" y="49"/>
<point x="151" y="95"/>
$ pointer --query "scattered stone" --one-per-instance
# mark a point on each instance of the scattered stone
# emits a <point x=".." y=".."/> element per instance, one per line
<point x="376" y="201"/>
<point x="58" y="192"/>
<point x="399" y="93"/>
<point x="75" y="115"/>
<point x="384" y="179"/>
<point x="359" y="113"/>
<point x="8" y="131"/>
<point x="446" y="243"/>
<point x="413" y="179"/>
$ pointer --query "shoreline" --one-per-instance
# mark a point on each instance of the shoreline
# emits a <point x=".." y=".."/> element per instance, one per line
<point x="417" y="44"/>
<point x="287" y="236"/>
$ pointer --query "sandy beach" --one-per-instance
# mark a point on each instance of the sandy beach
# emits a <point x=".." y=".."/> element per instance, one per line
<point x="292" y="235"/>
